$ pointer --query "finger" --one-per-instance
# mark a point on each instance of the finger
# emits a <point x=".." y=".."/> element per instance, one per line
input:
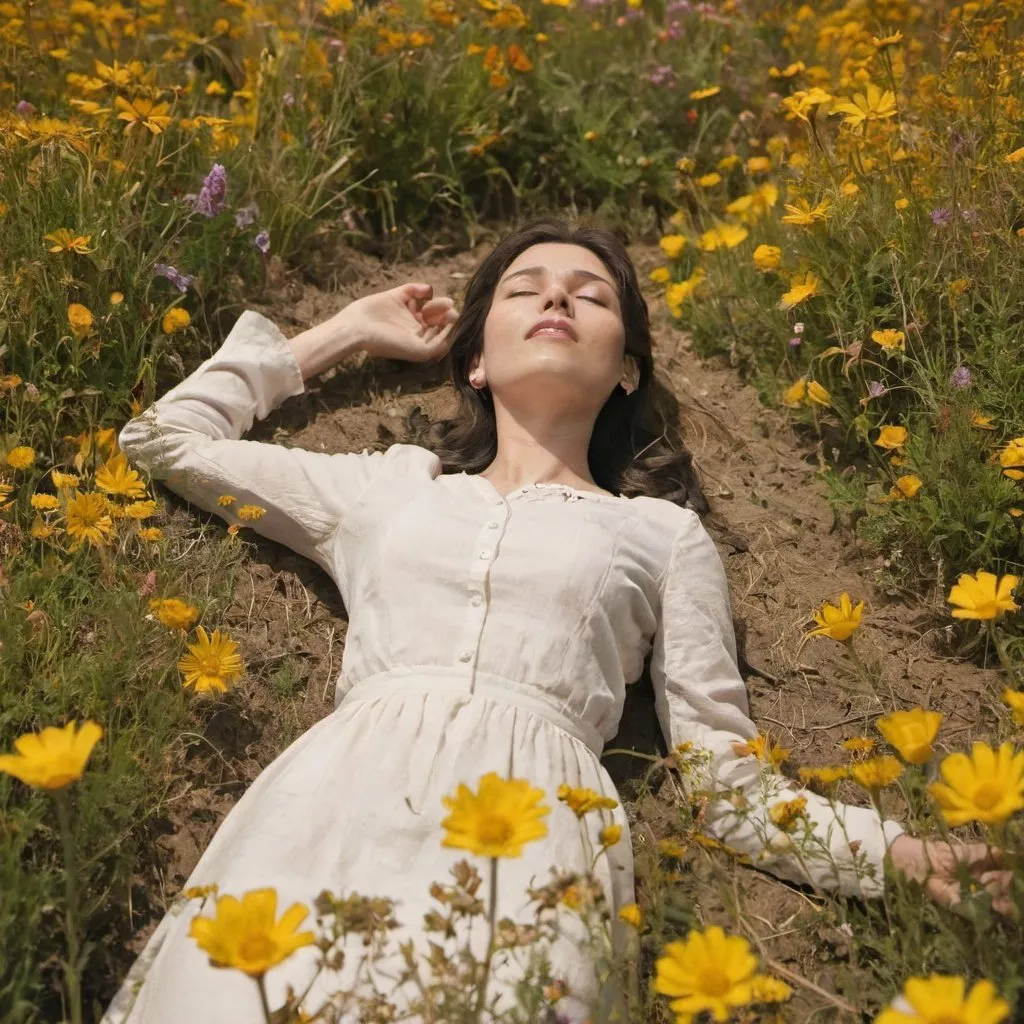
<point x="977" y="856"/>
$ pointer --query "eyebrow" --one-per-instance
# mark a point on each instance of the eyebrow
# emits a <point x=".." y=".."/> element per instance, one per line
<point x="579" y="272"/>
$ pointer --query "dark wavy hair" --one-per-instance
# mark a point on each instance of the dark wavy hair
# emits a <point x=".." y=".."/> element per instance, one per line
<point x="635" y="448"/>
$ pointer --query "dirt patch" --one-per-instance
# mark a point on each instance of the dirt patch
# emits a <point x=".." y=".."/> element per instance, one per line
<point x="783" y="551"/>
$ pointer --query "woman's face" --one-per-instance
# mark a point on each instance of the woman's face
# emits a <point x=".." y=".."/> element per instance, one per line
<point x="577" y="367"/>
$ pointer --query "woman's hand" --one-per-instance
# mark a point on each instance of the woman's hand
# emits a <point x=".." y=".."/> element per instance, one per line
<point x="938" y="865"/>
<point x="406" y="322"/>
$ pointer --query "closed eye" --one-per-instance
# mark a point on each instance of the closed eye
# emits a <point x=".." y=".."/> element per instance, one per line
<point x="589" y="298"/>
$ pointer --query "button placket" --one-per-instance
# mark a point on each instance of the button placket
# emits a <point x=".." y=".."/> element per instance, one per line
<point x="486" y="549"/>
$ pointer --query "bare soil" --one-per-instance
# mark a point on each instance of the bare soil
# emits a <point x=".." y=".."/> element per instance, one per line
<point x="783" y="549"/>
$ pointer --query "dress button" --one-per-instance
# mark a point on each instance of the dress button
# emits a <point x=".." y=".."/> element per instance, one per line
<point x="493" y="525"/>
<point x="485" y="554"/>
<point x="465" y="655"/>
<point x="476" y="600"/>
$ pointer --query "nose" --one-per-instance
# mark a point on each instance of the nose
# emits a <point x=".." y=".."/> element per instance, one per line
<point x="556" y="295"/>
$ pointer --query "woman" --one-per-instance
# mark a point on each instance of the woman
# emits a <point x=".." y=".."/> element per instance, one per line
<point x="503" y="592"/>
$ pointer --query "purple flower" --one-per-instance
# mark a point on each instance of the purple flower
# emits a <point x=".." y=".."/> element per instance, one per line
<point x="210" y="200"/>
<point x="262" y="242"/>
<point x="969" y="215"/>
<point x="176" y="277"/>
<point x="662" y="75"/>
<point x="960" y="377"/>
<point x="25" y="109"/>
<point x="941" y="216"/>
<point x="795" y="340"/>
<point x="288" y="99"/>
<point x="245" y="215"/>
<point x="876" y="389"/>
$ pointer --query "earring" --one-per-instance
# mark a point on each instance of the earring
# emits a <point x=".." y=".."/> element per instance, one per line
<point x="476" y="381"/>
<point x="630" y="379"/>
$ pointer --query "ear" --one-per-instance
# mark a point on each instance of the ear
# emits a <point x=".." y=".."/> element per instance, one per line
<point x="477" y="375"/>
<point x="630" y="379"/>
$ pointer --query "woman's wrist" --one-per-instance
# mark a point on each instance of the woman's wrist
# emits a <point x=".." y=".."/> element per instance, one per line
<point x="327" y="344"/>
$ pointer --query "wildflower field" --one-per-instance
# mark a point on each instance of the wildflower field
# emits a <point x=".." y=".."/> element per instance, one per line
<point x="827" y="205"/>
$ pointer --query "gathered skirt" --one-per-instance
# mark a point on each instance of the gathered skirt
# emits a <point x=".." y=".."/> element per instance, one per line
<point x="354" y="805"/>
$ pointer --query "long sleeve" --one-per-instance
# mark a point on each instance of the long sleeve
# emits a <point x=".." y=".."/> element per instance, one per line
<point x="701" y="699"/>
<point x="190" y="439"/>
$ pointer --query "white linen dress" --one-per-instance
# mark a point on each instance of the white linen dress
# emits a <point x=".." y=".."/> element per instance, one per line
<point x="486" y="633"/>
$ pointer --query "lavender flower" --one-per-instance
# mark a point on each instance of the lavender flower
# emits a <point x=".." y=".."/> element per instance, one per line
<point x="795" y="341"/>
<point x="176" y="277"/>
<point x="25" y="109"/>
<point x="245" y="215"/>
<point x="662" y="75"/>
<point x="876" y="389"/>
<point x="960" y="377"/>
<point x="288" y="99"/>
<point x="262" y="242"/>
<point x="969" y="215"/>
<point x="941" y="216"/>
<point x="210" y="200"/>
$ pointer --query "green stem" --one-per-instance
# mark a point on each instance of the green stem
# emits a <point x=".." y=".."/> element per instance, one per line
<point x="492" y="914"/>
<point x="71" y="919"/>
<point x="263" y="1000"/>
<point x="1004" y="658"/>
<point x="862" y="671"/>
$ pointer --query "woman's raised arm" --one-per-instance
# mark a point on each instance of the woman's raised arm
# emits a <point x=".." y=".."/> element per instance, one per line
<point x="191" y="438"/>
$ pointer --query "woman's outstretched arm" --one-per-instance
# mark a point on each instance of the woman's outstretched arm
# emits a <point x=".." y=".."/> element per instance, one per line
<point x="191" y="438"/>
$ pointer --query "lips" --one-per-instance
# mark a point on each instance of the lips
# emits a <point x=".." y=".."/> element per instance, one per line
<point x="553" y="323"/>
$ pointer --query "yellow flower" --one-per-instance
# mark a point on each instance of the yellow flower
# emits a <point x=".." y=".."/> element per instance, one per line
<point x="767" y="257"/>
<point x="703" y="94"/>
<point x="610" y="835"/>
<point x="890" y="40"/>
<point x="891" y="437"/>
<point x="759" y="164"/>
<point x="53" y="758"/>
<point x="65" y="240"/>
<point x="803" y="214"/>
<point x="212" y="663"/>
<point x="40" y="530"/>
<point x="912" y="733"/>
<point x="672" y="245"/>
<point x="174" y="613"/>
<point x="939" y="999"/>
<point x="708" y="972"/>
<point x="817" y="394"/>
<point x="245" y="935"/>
<point x="88" y="518"/>
<point x="591" y="136"/>
<point x="877" y="772"/>
<point x="1015" y="157"/>
<point x="140" y="509"/>
<point x="1011" y="458"/>
<point x="116" y="298"/>
<point x="983" y="596"/>
<point x="63" y="480"/>
<point x="872" y="105"/>
<point x="631" y="914"/>
<point x="787" y="813"/>
<point x="890" y="339"/>
<point x="151" y="533"/>
<point x="727" y="235"/>
<point x="988" y="786"/>
<point x="902" y="203"/>
<point x="496" y="821"/>
<point x="176" y="319"/>
<point x="709" y="180"/>
<point x="906" y="486"/>
<point x="764" y="748"/>
<point x="795" y="394"/>
<point x="766" y="989"/>
<point x="800" y="288"/>
<point x="660" y="275"/>
<point x="150" y="115"/>
<point x="80" y="319"/>
<point x="226" y="499"/>
<point x="858" y="745"/>
<point x="581" y="800"/>
<point x="251" y="513"/>
<point x="676" y="294"/>
<point x="671" y="848"/>
<point x="20" y="457"/>
<point x="1014" y="699"/>
<point x="685" y="164"/>
<point x="827" y="776"/>
<point x="787" y="72"/>
<point x="9" y="382"/>
<point x="44" y="502"/>
<point x="117" y="477"/>
<point x="838" y="622"/>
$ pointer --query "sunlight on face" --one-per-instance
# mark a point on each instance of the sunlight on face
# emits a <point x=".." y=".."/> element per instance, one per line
<point x="579" y="368"/>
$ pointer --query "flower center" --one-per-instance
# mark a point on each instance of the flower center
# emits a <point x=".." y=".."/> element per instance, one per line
<point x="255" y="947"/>
<point x="987" y="795"/>
<point x="713" y="982"/>
<point x="495" y="828"/>
<point x="209" y="665"/>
